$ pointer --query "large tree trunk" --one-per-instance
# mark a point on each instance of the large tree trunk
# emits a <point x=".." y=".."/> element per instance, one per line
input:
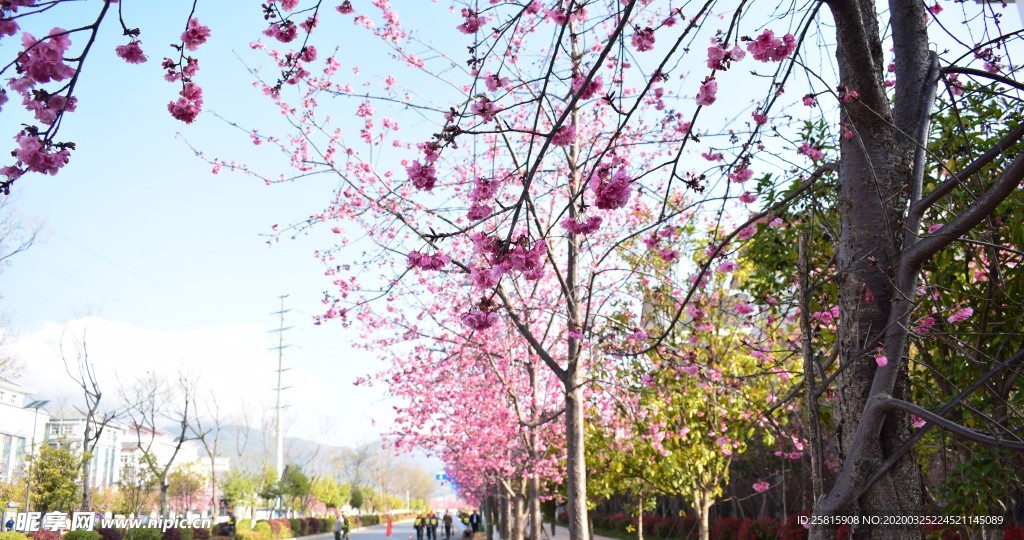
<point x="874" y="178"/>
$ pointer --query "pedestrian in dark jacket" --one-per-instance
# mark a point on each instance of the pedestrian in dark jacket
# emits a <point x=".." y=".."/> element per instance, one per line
<point x="447" y="521"/>
<point x="419" y="526"/>
<point x="474" y="522"/>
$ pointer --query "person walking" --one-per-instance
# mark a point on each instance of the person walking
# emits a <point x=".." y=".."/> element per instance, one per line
<point x="474" y="522"/>
<point x="434" y="523"/>
<point x="337" y="528"/>
<point x="387" y="529"/>
<point x="447" y="525"/>
<point x="418" y="525"/>
<point x="431" y="526"/>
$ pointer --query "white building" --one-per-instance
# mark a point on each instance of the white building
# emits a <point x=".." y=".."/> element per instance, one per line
<point x="68" y="425"/>
<point x="22" y="424"/>
<point x="140" y="440"/>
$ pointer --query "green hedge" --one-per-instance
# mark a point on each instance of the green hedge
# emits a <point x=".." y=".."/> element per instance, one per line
<point x="143" y="533"/>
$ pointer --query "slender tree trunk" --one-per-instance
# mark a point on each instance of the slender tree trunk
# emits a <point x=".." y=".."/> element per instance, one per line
<point x="518" y="518"/>
<point x="86" y="465"/>
<point x="640" y="516"/>
<point x="533" y="503"/>
<point x="506" y="517"/>
<point x="702" y="506"/>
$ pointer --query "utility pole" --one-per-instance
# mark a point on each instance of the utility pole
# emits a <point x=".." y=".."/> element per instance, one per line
<point x="280" y="369"/>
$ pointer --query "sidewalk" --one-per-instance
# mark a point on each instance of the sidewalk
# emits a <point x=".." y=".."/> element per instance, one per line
<point x="562" y="533"/>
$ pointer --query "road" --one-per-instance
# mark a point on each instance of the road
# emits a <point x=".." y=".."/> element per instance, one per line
<point x="401" y="530"/>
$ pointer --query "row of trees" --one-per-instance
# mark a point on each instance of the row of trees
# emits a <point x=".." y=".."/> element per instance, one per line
<point x="591" y="235"/>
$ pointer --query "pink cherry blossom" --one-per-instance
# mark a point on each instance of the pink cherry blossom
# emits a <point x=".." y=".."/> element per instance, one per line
<point x="935" y="9"/>
<point x="284" y="31"/>
<point x="726" y="266"/>
<point x="564" y="136"/>
<point x="479" y="211"/>
<point x="747" y="197"/>
<point x="809" y="100"/>
<point x="934" y="227"/>
<point x="582" y="224"/>
<point x="748" y="232"/>
<point x="925" y="325"/>
<point x="486" y="109"/>
<point x="43" y="61"/>
<point x="195" y="34"/>
<point x="346" y="7"/>
<point x="494" y="82"/>
<point x="472" y="23"/>
<point x="613" y="193"/>
<point x="595" y="85"/>
<point x="721" y="58"/>
<point x="422" y="176"/>
<point x="643" y="40"/>
<point x="708" y="89"/>
<point x="880" y="359"/>
<point x="131" y="53"/>
<point x="776" y="223"/>
<point x="759" y="118"/>
<point x="761" y="486"/>
<point x="768" y="48"/>
<point x="814" y="153"/>
<point x="35" y="155"/>
<point x="478" y="319"/>
<point x="48" y="108"/>
<point x="917" y="421"/>
<point x="741" y="174"/>
<point x="961" y="315"/>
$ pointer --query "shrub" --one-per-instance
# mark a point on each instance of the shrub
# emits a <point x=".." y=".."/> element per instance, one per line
<point x="1013" y="533"/>
<point x="200" y="534"/>
<point x="109" y="533"/>
<point x="12" y="535"/>
<point x="171" y="534"/>
<point x="686" y="527"/>
<point x="82" y="535"/>
<point x="942" y="532"/>
<point x="792" y="529"/>
<point x="221" y="529"/>
<point x="295" y="524"/>
<point x="186" y="533"/>
<point x="726" y="529"/>
<point x="760" y="529"/>
<point x="44" y="534"/>
<point x="142" y="533"/>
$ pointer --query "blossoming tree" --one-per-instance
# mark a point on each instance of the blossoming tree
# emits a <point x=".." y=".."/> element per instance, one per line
<point x="573" y="125"/>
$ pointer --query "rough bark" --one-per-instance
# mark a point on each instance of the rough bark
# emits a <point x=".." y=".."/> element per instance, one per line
<point x="875" y="173"/>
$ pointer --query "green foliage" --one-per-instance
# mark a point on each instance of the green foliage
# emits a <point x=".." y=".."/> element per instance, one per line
<point x="137" y="490"/>
<point x="12" y="535"/>
<point x="143" y="533"/>
<point x="295" y="485"/>
<point x="185" y="484"/>
<point x="82" y="535"/>
<point x="356" y="498"/>
<point x="333" y="493"/>
<point x="238" y="487"/>
<point x="55" y="475"/>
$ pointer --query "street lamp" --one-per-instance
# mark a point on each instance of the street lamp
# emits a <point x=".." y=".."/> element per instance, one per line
<point x="31" y="457"/>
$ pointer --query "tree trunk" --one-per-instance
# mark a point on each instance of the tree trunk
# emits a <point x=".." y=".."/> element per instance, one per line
<point x="518" y="519"/>
<point x="873" y="188"/>
<point x="86" y="465"/>
<point x="577" y="467"/>
<point x="702" y="507"/>
<point x="640" y="517"/>
<point x="163" y="496"/>
<point x="506" y="517"/>
<point x="533" y="501"/>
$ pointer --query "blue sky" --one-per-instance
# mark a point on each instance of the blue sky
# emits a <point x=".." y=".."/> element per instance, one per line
<point x="170" y="259"/>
